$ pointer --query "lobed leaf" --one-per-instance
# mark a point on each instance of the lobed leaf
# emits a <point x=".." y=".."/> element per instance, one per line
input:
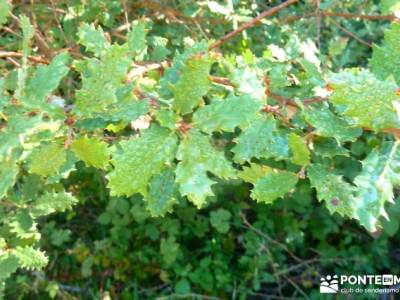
<point x="47" y="159"/>
<point x="273" y="185"/>
<point x="384" y="61"/>
<point x="197" y="157"/>
<point x="227" y="114"/>
<point x="327" y="124"/>
<point x="139" y="159"/>
<point x="92" y="151"/>
<point x="193" y="84"/>
<point x="261" y="140"/>
<point x="368" y="101"/>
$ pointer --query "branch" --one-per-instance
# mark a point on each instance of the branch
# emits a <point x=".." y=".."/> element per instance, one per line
<point x="251" y="23"/>
<point x="5" y="54"/>
<point x="353" y="35"/>
<point x="343" y="15"/>
<point x="269" y="239"/>
<point x="143" y="96"/>
<point x="40" y="40"/>
<point x="357" y="16"/>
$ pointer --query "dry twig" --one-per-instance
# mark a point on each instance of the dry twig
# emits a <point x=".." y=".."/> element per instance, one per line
<point x="251" y="23"/>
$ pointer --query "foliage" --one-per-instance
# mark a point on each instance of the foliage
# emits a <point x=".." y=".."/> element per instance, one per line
<point x="138" y="160"/>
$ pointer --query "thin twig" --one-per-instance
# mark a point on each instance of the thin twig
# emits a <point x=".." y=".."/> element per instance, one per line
<point x="351" y="34"/>
<point x="277" y="277"/>
<point x="187" y="296"/>
<point x="269" y="239"/>
<point x="14" y="62"/>
<point x="357" y="16"/>
<point x="251" y="23"/>
<point x="66" y="40"/>
<point x="41" y="43"/>
<point x="5" y="54"/>
<point x="296" y="286"/>
<point x="342" y="15"/>
<point x="318" y="21"/>
<point x="126" y="15"/>
<point x="311" y="261"/>
<point x="143" y="96"/>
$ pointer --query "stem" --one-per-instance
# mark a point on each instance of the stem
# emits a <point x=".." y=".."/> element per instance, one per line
<point x="251" y="23"/>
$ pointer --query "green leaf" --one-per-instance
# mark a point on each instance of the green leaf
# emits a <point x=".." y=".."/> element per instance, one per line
<point x="327" y="124"/>
<point x="92" y="38"/>
<point x="373" y="187"/>
<point x="169" y="249"/>
<point x="197" y="157"/>
<point x="312" y="71"/>
<point x="3" y="98"/>
<point x="331" y="188"/>
<point x="160" y="50"/>
<point x="45" y="80"/>
<point x="30" y="258"/>
<point x="385" y="58"/>
<point x="182" y="287"/>
<point x="21" y="129"/>
<point x="102" y="81"/>
<point x="390" y="7"/>
<point x="253" y="173"/>
<point x="137" y="37"/>
<point x="328" y="148"/>
<point x="163" y="193"/>
<point x="299" y="149"/>
<point x="172" y="74"/>
<point x="28" y="32"/>
<point x="193" y="83"/>
<point x="8" y="265"/>
<point x="47" y="159"/>
<point x="167" y="118"/>
<point x="261" y="140"/>
<point x="4" y="11"/>
<point x="23" y="225"/>
<point x="391" y="226"/>
<point x="219" y="219"/>
<point x="8" y="174"/>
<point x="92" y="151"/>
<point x="65" y="169"/>
<point x="379" y="176"/>
<point x="50" y="202"/>
<point x="273" y="186"/>
<point x="139" y="159"/>
<point x="370" y="102"/>
<point x="226" y="115"/>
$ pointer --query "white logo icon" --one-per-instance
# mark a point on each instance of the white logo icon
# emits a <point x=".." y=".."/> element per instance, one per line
<point x="329" y="285"/>
<point x="387" y="279"/>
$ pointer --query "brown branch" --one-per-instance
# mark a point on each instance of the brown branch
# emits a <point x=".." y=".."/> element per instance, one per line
<point x="221" y="80"/>
<point x="276" y="112"/>
<point x="35" y="59"/>
<point x="143" y="67"/>
<point x="343" y="15"/>
<point x="282" y="100"/>
<point x="268" y="238"/>
<point x="351" y="34"/>
<point x="143" y="96"/>
<point x="171" y="14"/>
<point x="313" y="100"/>
<point x="357" y="16"/>
<point x="40" y="40"/>
<point x="251" y="23"/>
